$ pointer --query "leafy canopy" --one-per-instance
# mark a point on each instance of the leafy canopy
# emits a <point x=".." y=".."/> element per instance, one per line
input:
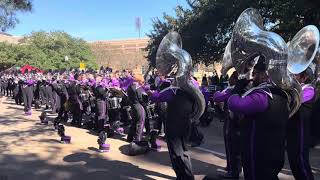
<point x="206" y="25"/>
<point x="8" y="10"/>
<point x="47" y="50"/>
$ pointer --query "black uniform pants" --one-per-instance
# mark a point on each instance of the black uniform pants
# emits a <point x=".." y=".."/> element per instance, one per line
<point x="148" y="118"/>
<point x="17" y="95"/>
<point x="76" y="110"/>
<point x="162" y="115"/>
<point x="260" y="162"/>
<point x="181" y="162"/>
<point x="27" y="92"/>
<point x="47" y="95"/>
<point x="101" y="112"/>
<point x="231" y="135"/>
<point x="42" y="93"/>
<point x="55" y="102"/>
<point x="298" y="149"/>
<point x="137" y="124"/>
<point x="10" y="90"/>
<point x="63" y="113"/>
<point x="5" y="89"/>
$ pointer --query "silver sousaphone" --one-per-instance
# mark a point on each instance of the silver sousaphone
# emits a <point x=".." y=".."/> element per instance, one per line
<point x="171" y="56"/>
<point x="250" y="39"/>
<point x="226" y="61"/>
<point x="303" y="49"/>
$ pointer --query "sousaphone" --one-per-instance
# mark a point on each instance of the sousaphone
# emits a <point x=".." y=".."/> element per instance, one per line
<point x="171" y="56"/>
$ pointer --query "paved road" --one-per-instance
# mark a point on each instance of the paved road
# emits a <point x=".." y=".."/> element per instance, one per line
<point x="33" y="151"/>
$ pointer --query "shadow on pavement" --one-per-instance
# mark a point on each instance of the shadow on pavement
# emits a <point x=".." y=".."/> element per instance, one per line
<point x="109" y="169"/>
<point x="199" y="167"/>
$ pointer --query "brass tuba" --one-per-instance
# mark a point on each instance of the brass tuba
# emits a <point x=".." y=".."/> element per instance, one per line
<point x="171" y="55"/>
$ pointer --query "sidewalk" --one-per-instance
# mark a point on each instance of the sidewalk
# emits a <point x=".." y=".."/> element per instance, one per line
<point x="31" y="151"/>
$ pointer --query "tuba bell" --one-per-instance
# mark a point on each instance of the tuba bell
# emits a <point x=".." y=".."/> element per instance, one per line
<point x="171" y="56"/>
<point x="302" y="49"/>
<point x="226" y="61"/>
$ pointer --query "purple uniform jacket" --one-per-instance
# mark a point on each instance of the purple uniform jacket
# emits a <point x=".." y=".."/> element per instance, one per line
<point x="222" y="96"/>
<point x="195" y="83"/>
<point x="84" y="82"/>
<point x="126" y="83"/>
<point x="165" y="95"/>
<point x="30" y="82"/>
<point x="114" y="82"/>
<point x="308" y="93"/>
<point x="206" y="93"/>
<point x="146" y="87"/>
<point x="255" y="102"/>
<point x="91" y="82"/>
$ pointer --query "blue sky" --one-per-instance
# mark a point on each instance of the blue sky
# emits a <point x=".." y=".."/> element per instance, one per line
<point x="94" y="19"/>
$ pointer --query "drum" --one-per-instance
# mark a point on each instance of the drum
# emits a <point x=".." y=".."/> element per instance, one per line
<point x="84" y="97"/>
<point x="114" y="103"/>
<point x="151" y="113"/>
<point x="128" y="112"/>
<point x="116" y="93"/>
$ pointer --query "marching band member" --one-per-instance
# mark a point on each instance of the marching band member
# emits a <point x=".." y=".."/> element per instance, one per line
<point x="263" y="125"/>
<point x="161" y="107"/>
<point x="75" y="104"/>
<point x="55" y="95"/>
<point x="114" y="112"/>
<point x="64" y="97"/>
<point x="101" y="107"/>
<point x="27" y="91"/>
<point x="135" y="92"/>
<point x="298" y="130"/>
<point x="231" y="132"/>
<point x="177" y="128"/>
<point x="48" y="91"/>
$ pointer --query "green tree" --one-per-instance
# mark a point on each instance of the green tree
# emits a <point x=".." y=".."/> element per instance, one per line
<point x="7" y="54"/>
<point x="48" y="50"/>
<point x="206" y="26"/>
<point x="9" y="8"/>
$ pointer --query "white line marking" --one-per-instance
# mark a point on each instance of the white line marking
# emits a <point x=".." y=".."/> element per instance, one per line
<point x="210" y="151"/>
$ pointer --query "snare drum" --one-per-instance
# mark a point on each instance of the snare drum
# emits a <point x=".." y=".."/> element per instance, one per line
<point x="84" y="97"/>
<point x="151" y="113"/>
<point x="114" y="103"/>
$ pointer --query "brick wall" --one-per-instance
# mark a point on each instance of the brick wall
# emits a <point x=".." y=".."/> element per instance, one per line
<point x="121" y="54"/>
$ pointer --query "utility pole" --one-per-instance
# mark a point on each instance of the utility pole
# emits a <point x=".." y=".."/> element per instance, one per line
<point x="138" y="23"/>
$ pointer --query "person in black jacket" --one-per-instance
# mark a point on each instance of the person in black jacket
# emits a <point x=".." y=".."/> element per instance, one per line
<point x="55" y="96"/>
<point x="135" y="92"/>
<point x="75" y="103"/>
<point x="299" y="130"/>
<point x="100" y="94"/>
<point x="16" y="91"/>
<point x="264" y="116"/>
<point x="61" y="89"/>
